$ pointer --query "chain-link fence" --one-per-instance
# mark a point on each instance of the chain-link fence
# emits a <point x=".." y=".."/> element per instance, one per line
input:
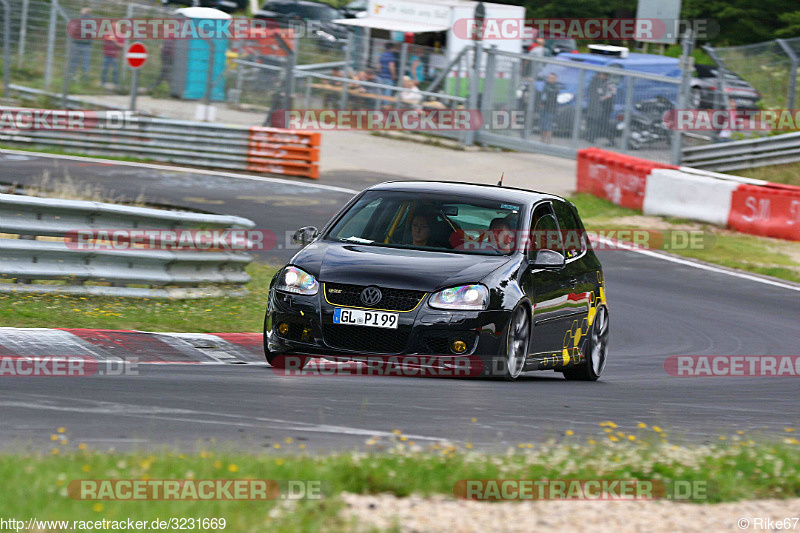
<point x="529" y="103"/>
<point x="770" y="67"/>
<point x="553" y="105"/>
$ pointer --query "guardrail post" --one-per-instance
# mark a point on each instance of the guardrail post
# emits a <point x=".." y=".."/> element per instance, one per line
<point x="512" y="87"/>
<point x="530" y="104"/>
<point x="401" y="71"/>
<point x="348" y="46"/>
<point x="474" y="87"/>
<point x="68" y="49"/>
<point x="487" y="96"/>
<point x="793" y="76"/>
<point x="683" y="93"/>
<point x="51" y="44"/>
<point x="576" y="119"/>
<point x="626" y="119"/>
<point x="291" y="63"/>
<point x="6" y="47"/>
<point x="23" y="31"/>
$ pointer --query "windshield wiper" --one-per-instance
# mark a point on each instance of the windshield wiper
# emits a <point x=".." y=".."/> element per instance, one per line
<point x="357" y="240"/>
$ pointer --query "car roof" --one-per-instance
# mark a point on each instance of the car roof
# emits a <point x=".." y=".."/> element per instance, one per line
<point x="489" y="192"/>
<point x="633" y="59"/>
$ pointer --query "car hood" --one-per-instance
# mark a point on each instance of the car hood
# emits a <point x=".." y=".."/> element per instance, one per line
<point x="392" y="267"/>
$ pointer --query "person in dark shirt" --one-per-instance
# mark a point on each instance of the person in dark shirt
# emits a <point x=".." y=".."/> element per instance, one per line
<point x="388" y="68"/>
<point x="601" y="100"/>
<point x="167" y="60"/>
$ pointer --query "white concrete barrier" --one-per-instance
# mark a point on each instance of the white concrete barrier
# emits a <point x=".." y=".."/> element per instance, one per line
<point x="676" y="193"/>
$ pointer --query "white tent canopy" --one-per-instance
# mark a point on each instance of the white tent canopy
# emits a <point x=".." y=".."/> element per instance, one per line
<point x="393" y="25"/>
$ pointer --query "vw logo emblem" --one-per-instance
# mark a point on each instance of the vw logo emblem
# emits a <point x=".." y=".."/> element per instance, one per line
<point x="371" y="296"/>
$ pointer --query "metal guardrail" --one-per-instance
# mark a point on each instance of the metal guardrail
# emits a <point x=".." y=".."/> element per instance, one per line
<point x="253" y="149"/>
<point x="736" y="155"/>
<point x="29" y="261"/>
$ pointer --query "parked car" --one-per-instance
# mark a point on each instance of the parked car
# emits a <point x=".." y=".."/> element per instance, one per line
<point x="705" y="91"/>
<point x="287" y="12"/>
<point x="356" y="9"/>
<point x="561" y="46"/>
<point x="228" y="6"/>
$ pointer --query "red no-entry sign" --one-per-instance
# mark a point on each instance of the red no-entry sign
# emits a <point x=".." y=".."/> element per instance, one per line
<point x="136" y="55"/>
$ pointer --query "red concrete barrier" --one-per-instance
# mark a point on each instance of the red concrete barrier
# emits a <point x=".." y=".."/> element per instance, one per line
<point x="616" y="177"/>
<point x="770" y="211"/>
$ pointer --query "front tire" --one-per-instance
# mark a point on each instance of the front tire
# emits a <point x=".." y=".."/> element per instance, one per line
<point x="596" y="350"/>
<point x="517" y="342"/>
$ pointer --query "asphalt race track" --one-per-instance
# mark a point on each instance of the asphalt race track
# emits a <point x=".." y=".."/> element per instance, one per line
<point x="658" y="308"/>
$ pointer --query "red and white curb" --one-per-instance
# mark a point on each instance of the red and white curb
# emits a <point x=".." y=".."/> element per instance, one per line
<point x="146" y="347"/>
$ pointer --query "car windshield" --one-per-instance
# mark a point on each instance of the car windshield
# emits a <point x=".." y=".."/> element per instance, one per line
<point x="430" y="222"/>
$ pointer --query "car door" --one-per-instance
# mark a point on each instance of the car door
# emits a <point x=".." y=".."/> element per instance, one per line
<point x="546" y="288"/>
<point x="579" y="276"/>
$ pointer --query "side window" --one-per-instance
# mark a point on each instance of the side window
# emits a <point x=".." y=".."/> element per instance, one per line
<point x="545" y="233"/>
<point x="571" y="230"/>
<point x="357" y="225"/>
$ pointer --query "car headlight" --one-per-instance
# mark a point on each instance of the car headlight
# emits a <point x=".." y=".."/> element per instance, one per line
<point x="463" y="297"/>
<point x="564" y="98"/>
<point x="297" y="281"/>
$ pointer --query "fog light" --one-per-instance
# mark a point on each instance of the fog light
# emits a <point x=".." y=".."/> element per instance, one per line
<point x="283" y="328"/>
<point x="458" y="346"/>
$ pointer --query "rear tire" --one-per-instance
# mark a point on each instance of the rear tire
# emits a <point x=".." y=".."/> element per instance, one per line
<point x="596" y="351"/>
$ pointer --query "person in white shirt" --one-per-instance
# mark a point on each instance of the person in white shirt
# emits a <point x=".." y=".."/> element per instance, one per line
<point x="411" y="95"/>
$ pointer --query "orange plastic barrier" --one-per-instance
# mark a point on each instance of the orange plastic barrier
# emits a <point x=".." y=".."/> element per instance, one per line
<point x="771" y="211"/>
<point x="278" y="151"/>
<point x="616" y="177"/>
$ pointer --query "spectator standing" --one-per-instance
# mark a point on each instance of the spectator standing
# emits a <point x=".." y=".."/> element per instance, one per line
<point x="601" y="100"/>
<point x="81" y="51"/>
<point x="111" y="48"/>
<point x="167" y="60"/>
<point x="538" y="49"/>
<point x="548" y="104"/>
<point x="388" y="67"/>
<point x="417" y="69"/>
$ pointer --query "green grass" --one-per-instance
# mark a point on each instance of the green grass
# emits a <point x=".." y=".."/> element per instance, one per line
<point x="735" y="467"/>
<point x="224" y="314"/>
<point x="25" y="147"/>
<point x="760" y="255"/>
<point x="788" y="174"/>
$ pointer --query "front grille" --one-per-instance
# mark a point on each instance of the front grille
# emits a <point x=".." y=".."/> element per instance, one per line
<point x="392" y="300"/>
<point x="365" y="339"/>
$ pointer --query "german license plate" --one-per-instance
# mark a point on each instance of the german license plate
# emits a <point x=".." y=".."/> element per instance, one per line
<point x="357" y="317"/>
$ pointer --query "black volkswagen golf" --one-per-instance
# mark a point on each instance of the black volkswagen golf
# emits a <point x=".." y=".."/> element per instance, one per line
<point x="499" y="279"/>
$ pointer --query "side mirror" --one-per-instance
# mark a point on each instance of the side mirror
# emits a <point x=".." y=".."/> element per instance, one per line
<point x="305" y="235"/>
<point x="548" y="259"/>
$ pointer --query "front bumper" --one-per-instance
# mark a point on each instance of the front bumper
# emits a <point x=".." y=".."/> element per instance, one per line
<point x="421" y="331"/>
